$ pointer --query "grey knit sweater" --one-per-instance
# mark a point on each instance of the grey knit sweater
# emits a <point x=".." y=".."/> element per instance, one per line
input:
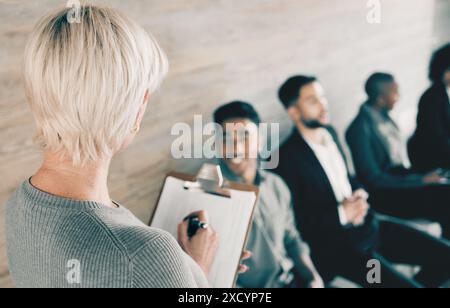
<point x="62" y="243"/>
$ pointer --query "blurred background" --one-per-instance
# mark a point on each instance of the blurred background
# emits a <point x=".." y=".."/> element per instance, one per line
<point x="221" y="50"/>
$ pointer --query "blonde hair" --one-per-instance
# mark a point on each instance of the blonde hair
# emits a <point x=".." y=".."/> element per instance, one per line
<point x="86" y="80"/>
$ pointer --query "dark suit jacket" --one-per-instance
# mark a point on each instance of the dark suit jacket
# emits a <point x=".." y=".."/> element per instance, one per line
<point x="430" y="147"/>
<point x="371" y="157"/>
<point x="316" y="207"/>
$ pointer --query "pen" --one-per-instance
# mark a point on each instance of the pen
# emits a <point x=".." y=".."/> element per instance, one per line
<point x="194" y="225"/>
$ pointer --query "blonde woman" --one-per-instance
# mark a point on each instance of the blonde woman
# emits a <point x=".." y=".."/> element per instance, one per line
<point x="88" y="84"/>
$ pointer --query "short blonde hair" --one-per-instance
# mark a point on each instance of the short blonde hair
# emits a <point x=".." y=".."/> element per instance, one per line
<point x="86" y="80"/>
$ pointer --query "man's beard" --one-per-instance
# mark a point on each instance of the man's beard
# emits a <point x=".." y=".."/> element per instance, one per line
<point x="312" y="124"/>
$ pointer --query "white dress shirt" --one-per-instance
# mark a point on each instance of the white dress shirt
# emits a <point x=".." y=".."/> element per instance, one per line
<point x="335" y="168"/>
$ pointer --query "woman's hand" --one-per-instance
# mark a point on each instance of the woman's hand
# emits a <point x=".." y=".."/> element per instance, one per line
<point x="242" y="267"/>
<point x="203" y="246"/>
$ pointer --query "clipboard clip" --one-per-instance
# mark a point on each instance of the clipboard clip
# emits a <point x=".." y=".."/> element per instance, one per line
<point x="209" y="180"/>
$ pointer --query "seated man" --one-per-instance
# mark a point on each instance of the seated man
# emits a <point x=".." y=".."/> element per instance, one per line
<point x="280" y="257"/>
<point x="381" y="160"/>
<point x="332" y="211"/>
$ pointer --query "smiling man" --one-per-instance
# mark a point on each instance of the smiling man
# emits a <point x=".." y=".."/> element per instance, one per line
<point x="280" y="257"/>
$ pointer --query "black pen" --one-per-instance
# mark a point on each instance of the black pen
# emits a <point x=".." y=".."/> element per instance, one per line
<point x="194" y="225"/>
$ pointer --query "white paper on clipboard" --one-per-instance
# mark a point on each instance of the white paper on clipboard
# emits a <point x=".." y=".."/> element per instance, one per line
<point x="231" y="218"/>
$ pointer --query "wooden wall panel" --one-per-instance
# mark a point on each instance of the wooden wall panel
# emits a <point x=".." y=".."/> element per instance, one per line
<point x="222" y="50"/>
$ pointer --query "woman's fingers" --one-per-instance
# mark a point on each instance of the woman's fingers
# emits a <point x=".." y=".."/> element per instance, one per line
<point x="246" y="255"/>
<point x="243" y="269"/>
<point x="183" y="238"/>
<point x="183" y="233"/>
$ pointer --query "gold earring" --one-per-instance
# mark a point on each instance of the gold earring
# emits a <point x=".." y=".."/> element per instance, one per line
<point x="135" y="129"/>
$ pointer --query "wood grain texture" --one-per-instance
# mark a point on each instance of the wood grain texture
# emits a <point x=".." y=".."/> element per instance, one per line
<point x="222" y="50"/>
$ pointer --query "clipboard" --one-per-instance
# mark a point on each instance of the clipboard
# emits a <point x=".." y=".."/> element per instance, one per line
<point x="230" y="206"/>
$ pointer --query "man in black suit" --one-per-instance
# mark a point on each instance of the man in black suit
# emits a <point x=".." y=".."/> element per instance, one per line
<point x="332" y="209"/>
<point x="381" y="160"/>
<point x="430" y="147"/>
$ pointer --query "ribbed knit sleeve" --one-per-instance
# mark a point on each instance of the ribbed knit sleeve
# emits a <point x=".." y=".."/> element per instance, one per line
<point x="162" y="264"/>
